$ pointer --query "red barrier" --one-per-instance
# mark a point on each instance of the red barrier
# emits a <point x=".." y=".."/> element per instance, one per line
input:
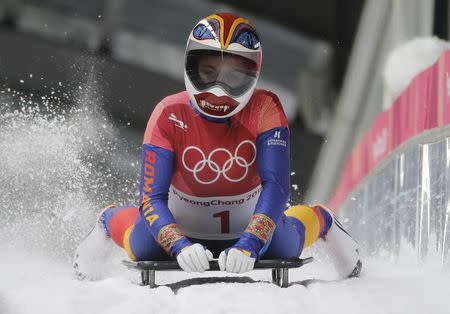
<point x="423" y="105"/>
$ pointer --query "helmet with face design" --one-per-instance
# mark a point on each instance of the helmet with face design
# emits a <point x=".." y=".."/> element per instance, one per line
<point x="222" y="64"/>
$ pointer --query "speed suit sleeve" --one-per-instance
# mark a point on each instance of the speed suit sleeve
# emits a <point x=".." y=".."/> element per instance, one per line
<point x="273" y="161"/>
<point x="157" y="170"/>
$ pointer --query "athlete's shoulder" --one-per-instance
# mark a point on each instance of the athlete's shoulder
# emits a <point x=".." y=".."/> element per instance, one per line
<point x="264" y="94"/>
<point x="175" y="100"/>
<point x="171" y="104"/>
<point x="159" y="131"/>
<point x="265" y="99"/>
<point x="267" y="108"/>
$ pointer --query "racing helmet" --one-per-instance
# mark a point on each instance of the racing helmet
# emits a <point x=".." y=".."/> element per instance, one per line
<point x="222" y="64"/>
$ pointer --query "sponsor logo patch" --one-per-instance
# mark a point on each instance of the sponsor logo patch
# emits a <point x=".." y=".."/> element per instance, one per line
<point x="276" y="140"/>
<point x="178" y="123"/>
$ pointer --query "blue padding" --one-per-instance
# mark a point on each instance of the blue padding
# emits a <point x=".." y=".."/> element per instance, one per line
<point x="287" y="240"/>
<point x="143" y="244"/>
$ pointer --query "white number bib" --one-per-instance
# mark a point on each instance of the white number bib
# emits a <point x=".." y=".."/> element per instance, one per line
<point x="213" y="218"/>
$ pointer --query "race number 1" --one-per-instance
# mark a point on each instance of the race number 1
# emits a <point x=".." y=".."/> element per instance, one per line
<point x="224" y="220"/>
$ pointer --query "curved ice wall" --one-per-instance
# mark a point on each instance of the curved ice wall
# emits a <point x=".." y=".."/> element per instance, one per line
<point x="395" y="190"/>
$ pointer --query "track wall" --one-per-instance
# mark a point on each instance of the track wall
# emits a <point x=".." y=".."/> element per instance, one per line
<point x="395" y="187"/>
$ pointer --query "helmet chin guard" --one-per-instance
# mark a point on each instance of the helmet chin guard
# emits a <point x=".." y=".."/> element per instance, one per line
<point x="215" y="102"/>
<point x="222" y="64"/>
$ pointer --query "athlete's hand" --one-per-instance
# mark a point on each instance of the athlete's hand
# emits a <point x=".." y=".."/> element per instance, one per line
<point x="194" y="258"/>
<point x="236" y="260"/>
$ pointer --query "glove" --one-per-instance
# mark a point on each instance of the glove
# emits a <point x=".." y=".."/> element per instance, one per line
<point x="194" y="258"/>
<point x="236" y="260"/>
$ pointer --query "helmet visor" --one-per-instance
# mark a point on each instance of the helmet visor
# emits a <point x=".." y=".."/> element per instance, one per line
<point x="208" y="68"/>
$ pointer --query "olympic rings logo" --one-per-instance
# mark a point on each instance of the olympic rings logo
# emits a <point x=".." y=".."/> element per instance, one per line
<point x="214" y="166"/>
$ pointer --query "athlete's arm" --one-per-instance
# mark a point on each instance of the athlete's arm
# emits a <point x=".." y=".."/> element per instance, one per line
<point x="156" y="175"/>
<point x="273" y="164"/>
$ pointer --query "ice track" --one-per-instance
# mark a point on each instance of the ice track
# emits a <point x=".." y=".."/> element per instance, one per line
<point x="32" y="283"/>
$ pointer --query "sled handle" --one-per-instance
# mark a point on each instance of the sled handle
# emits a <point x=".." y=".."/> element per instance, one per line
<point x="214" y="264"/>
<point x="280" y="269"/>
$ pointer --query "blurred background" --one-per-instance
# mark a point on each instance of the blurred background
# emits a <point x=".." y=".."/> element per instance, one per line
<point x="324" y="59"/>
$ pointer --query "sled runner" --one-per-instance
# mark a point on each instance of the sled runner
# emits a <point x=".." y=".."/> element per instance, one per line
<point x="280" y="270"/>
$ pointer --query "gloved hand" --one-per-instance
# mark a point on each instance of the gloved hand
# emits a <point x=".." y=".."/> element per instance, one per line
<point x="194" y="258"/>
<point x="236" y="260"/>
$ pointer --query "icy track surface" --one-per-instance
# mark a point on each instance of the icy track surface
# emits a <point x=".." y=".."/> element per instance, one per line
<point x="58" y="168"/>
<point x="31" y="283"/>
